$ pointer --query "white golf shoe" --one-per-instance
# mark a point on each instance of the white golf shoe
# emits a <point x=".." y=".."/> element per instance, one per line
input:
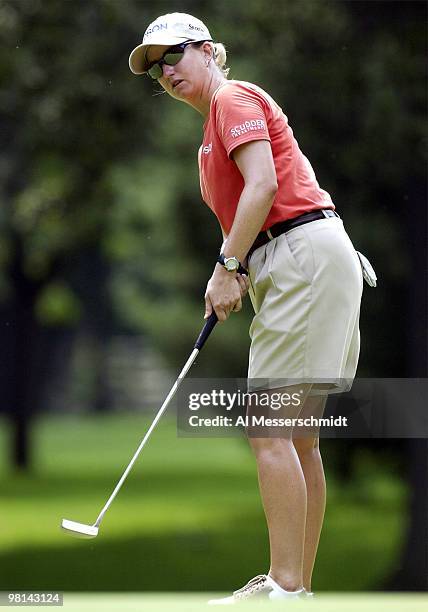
<point x="260" y="587"/>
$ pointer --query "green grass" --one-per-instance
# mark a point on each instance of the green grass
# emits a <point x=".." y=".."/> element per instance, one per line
<point x="189" y="517"/>
<point x="186" y="602"/>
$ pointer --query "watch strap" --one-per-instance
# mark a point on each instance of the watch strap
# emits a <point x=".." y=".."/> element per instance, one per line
<point x="240" y="270"/>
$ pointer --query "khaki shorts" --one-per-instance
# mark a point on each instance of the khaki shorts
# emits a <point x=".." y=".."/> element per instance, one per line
<point x="306" y="288"/>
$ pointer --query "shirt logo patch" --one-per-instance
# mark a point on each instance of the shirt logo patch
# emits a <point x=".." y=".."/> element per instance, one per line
<point x="208" y="148"/>
<point x="247" y="126"/>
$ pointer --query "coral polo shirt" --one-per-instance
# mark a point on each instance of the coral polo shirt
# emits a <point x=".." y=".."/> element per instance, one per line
<point x="241" y="112"/>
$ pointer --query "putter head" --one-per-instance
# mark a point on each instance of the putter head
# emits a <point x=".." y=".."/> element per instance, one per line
<point x="79" y="530"/>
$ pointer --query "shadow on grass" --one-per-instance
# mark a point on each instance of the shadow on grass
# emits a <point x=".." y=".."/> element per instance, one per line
<point x="204" y="559"/>
<point x="219" y="554"/>
<point x="216" y="558"/>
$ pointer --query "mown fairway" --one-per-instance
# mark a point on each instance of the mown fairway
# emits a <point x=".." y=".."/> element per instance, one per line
<point x="185" y="602"/>
<point x="188" y="519"/>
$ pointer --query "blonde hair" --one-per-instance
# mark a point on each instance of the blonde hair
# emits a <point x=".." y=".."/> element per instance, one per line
<point x="220" y="57"/>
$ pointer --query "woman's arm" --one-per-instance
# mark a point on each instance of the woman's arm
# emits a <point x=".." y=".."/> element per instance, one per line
<point x="255" y="162"/>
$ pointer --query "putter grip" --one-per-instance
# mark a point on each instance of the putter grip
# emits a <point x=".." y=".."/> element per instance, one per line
<point x="206" y="330"/>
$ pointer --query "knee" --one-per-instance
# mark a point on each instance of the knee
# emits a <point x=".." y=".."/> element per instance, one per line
<point x="270" y="449"/>
<point x="306" y="448"/>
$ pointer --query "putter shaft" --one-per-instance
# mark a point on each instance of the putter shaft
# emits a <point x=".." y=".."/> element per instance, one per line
<point x="92" y="530"/>
<point x="162" y="409"/>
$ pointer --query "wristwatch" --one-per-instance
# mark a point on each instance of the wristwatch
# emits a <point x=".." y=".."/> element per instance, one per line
<point x="231" y="264"/>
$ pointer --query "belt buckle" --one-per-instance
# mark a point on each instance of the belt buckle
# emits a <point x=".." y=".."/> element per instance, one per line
<point x="326" y="213"/>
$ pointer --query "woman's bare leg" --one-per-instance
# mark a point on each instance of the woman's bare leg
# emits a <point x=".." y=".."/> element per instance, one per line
<point x="283" y="491"/>
<point x="313" y="470"/>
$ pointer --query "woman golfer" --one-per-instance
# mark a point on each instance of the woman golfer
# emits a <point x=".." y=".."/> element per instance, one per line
<point x="305" y="279"/>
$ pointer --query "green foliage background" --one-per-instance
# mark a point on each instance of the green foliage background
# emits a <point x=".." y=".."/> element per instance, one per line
<point x="96" y="161"/>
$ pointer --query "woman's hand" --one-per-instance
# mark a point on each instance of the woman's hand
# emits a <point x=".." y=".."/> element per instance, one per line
<point x="224" y="293"/>
<point x="244" y="284"/>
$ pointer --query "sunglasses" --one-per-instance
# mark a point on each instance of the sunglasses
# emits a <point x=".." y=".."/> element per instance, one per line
<point x="171" y="57"/>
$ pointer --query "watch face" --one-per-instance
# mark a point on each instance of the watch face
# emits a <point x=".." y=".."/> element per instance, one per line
<point x="231" y="264"/>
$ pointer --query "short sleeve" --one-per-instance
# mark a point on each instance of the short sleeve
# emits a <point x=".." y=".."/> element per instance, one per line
<point x="240" y="116"/>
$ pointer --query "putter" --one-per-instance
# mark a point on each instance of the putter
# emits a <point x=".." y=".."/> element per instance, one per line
<point x="91" y="531"/>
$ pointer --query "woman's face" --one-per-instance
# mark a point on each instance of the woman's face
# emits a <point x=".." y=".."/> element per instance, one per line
<point x="185" y="80"/>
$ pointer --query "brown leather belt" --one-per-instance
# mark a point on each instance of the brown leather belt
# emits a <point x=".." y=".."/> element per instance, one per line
<point x="285" y="226"/>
